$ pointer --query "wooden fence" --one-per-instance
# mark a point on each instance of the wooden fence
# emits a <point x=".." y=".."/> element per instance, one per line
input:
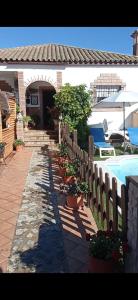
<point x="109" y="209"/>
<point x="8" y="134"/>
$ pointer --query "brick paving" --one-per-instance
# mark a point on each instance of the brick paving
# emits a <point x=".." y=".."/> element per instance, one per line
<point x="49" y="238"/>
<point x="12" y="181"/>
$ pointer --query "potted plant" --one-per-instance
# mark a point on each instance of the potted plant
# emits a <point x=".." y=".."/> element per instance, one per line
<point x="2" y="146"/>
<point x="107" y="251"/>
<point x="26" y="120"/>
<point x="18" y="144"/>
<point x="63" y="153"/>
<point x="62" y="158"/>
<point x="70" y="173"/>
<point x="76" y="194"/>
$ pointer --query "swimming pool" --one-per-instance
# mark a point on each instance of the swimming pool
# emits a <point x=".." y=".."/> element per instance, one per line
<point x="120" y="168"/>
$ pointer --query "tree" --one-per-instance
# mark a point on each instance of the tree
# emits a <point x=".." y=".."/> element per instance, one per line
<point x="75" y="104"/>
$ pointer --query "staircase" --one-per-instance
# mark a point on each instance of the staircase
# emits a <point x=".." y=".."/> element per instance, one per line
<point x="39" y="139"/>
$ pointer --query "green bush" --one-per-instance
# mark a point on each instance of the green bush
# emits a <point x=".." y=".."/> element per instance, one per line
<point x="75" y="104"/>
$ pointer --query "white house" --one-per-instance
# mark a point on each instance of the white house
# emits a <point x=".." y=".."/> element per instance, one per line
<point x="35" y="73"/>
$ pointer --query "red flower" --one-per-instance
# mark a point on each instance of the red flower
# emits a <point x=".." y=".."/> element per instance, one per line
<point x="116" y="255"/>
<point x="88" y="236"/>
<point x="125" y="247"/>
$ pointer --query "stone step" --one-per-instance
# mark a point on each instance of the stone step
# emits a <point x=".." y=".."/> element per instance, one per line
<point x="39" y="138"/>
<point x="40" y="132"/>
<point x="39" y="143"/>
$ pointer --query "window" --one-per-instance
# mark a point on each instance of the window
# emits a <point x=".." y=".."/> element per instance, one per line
<point x="103" y="91"/>
<point x="32" y="100"/>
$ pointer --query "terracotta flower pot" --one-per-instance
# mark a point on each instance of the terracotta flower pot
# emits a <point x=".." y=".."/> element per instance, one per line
<point x="97" y="265"/>
<point x="61" y="160"/>
<point x="19" y="148"/>
<point x="75" y="202"/>
<point x="62" y="171"/>
<point x="68" y="179"/>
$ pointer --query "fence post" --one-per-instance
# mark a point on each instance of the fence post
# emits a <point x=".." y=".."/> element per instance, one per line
<point x="124" y="201"/>
<point x="131" y="264"/>
<point x="75" y="138"/>
<point x="101" y="194"/>
<point x="90" y="147"/>
<point x="96" y="189"/>
<point x="107" y="190"/>
<point x="115" y="210"/>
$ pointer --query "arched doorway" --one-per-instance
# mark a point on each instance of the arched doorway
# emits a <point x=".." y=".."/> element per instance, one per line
<point x="40" y="105"/>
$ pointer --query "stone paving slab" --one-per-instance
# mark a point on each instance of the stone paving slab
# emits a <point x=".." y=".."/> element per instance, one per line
<point x="12" y="181"/>
<point x="49" y="238"/>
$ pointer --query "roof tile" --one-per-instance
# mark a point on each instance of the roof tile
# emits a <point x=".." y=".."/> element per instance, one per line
<point x="64" y="54"/>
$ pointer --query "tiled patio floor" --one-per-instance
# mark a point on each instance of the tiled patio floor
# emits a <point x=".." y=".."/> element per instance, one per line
<point x="12" y="181"/>
<point x="48" y="237"/>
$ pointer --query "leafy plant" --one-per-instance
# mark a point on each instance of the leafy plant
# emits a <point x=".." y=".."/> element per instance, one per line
<point x="83" y="186"/>
<point x="76" y="161"/>
<point x="76" y="188"/>
<point x="63" y="151"/>
<point x="108" y="245"/>
<point x="18" y="142"/>
<point x="35" y="120"/>
<point x="2" y="145"/>
<point x="75" y="104"/>
<point x="17" y="108"/>
<point x="71" y="170"/>
<point x="27" y="119"/>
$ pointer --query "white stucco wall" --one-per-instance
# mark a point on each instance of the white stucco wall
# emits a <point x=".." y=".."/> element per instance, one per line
<point x="81" y="75"/>
<point x="76" y="74"/>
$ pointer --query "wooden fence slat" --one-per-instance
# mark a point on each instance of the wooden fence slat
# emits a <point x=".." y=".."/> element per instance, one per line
<point x="96" y="188"/>
<point x="89" y="183"/>
<point x="75" y="139"/>
<point x="124" y="209"/>
<point x="91" y="147"/>
<point x="92" y="186"/>
<point x="101" y="193"/>
<point x="115" y="210"/>
<point x="107" y="190"/>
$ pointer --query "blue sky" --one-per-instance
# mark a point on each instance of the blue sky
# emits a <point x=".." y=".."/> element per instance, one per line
<point x="115" y="39"/>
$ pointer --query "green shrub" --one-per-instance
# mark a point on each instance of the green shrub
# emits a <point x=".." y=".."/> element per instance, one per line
<point x="75" y="104"/>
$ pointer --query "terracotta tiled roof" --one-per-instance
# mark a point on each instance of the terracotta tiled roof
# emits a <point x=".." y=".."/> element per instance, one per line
<point x="53" y="53"/>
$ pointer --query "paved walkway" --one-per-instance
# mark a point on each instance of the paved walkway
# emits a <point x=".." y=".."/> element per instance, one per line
<point x="48" y="238"/>
<point x="12" y="181"/>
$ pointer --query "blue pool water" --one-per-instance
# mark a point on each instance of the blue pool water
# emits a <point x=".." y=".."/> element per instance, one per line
<point x="127" y="167"/>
